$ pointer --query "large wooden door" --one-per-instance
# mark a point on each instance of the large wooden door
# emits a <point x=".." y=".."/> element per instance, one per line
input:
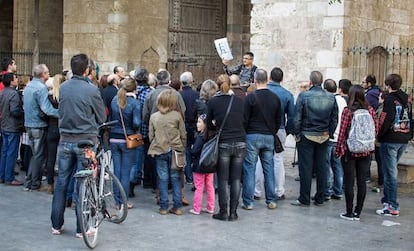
<point x="193" y="27"/>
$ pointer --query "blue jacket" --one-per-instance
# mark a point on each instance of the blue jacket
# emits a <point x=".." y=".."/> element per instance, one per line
<point x="316" y="113"/>
<point x="288" y="105"/>
<point x="36" y="105"/>
<point x="132" y="118"/>
<point x="372" y="95"/>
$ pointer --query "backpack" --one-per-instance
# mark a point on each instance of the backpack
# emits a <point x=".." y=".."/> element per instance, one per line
<point x="361" y="137"/>
<point x="402" y="121"/>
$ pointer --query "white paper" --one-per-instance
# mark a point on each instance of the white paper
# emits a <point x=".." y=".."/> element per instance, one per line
<point x="389" y="223"/>
<point x="223" y="48"/>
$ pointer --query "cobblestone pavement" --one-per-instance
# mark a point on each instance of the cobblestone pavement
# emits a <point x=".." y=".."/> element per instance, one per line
<point x="25" y="225"/>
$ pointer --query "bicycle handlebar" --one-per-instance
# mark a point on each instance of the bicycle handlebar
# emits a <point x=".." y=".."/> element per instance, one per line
<point x="107" y="125"/>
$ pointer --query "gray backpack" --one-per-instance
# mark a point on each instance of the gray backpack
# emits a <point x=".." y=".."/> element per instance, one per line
<point x="361" y="137"/>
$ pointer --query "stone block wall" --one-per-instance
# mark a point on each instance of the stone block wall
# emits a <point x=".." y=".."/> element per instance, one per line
<point x="116" y="32"/>
<point x="304" y="35"/>
<point x="298" y="36"/>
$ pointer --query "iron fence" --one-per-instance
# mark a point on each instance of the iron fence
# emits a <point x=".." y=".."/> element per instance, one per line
<point x="382" y="61"/>
<point x="24" y="61"/>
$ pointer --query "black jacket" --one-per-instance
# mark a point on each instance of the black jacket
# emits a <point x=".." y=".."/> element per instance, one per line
<point x="387" y="134"/>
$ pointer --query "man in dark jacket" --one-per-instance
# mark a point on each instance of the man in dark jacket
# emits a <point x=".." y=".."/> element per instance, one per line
<point x="394" y="135"/>
<point x="11" y="115"/>
<point x="81" y="110"/>
<point x="189" y="96"/>
<point x="316" y="117"/>
<point x="245" y="71"/>
<point x="372" y="91"/>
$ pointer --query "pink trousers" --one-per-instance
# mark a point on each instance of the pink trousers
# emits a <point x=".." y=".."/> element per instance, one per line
<point x="201" y="180"/>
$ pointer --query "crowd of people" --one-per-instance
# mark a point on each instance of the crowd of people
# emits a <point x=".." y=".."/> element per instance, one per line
<point x="43" y="120"/>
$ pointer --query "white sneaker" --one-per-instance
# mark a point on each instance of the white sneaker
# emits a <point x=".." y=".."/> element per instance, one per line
<point x="205" y="210"/>
<point x="194" y="212"/>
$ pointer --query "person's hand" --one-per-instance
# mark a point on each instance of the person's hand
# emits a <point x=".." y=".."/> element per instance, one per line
<point x="225" y="62"/>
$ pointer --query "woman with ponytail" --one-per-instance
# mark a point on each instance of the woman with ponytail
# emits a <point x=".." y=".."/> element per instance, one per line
<point x="123" y="158"/>
<point x="232" y="146"/>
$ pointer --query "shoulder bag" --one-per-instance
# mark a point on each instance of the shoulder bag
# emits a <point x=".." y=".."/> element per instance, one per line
<point x="209" y="153"/>
<point x="133" y="140"/>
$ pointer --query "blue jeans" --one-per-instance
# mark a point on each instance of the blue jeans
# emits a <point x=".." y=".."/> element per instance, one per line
<point x="165" y="173"/>
<point x="123" y="159"/>
<point x="391" y="154"/>
<point x="258" y="145"/>
<point x="333" y="167"/>
<point x="136" y="170"/>
<point x="312" y="155"/>
<point x="37" y="137"/>
<point x="9" y="152"/>
<point x="70" y="158"/>
<point x="188" y="170"/>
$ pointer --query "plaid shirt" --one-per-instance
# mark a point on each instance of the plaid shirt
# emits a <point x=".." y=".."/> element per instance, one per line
<point x="142" y="92"/>
<point x="346" y="120"/>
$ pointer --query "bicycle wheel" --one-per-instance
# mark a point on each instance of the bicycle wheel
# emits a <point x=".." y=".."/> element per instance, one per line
<point x="88" y="215"/>
<point x="114" y="198"/>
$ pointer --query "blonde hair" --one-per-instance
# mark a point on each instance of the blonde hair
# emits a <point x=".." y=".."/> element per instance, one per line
<point x="58" y="79"/>
<point x="223" y="82"/>
<point x="127" y="85"/>
<point x="167" y="101"/>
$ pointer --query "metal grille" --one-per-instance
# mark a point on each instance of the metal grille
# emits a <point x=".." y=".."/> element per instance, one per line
<point x="24" y="61"/>
<point x="382" y="61"/>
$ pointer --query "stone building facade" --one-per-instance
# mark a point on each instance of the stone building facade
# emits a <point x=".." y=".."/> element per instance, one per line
<point x="346" y="40"/>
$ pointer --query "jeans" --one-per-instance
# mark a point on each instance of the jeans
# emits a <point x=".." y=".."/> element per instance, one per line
<point x="229" y="169"/>
<point x="391" y="154"/>
<point x="258" y="145"/>
<point x="279" y="171"/>
<point x="355" y="167"/>
<point x="202" y="180"/>
<point x="312" y="155"/>
<point x="37" y="137"/>
<point x="70" y="158"/>
<point x="150" y="170"/>
<point x="136" y="170"/>
<point x="9" y="152"/>
<point x="378" y="159"/>
<point x="52" y="144"/>
<point x="333" y="168"/>
<point x="188" y="170"/>
<point x="165" y="173"/>
<point x="123" y="159"/>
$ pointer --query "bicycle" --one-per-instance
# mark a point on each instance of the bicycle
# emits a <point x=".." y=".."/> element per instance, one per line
<point x="101" y="195"/>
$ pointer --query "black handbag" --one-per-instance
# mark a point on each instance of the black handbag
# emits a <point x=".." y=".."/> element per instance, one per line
<point x="209" y="153"/>
<point x="278" y="146"/>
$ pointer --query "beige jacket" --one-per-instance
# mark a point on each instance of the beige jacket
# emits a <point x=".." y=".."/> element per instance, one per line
<point x="166" y="132"/>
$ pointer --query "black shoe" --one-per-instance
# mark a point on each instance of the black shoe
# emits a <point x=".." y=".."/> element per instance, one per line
<point x="336" y="197"/>
<point x="346" y="216"/>
<point x="356" y="216"/>
<point x="256" y="197"/>
<point x="233" y="217"/>
<point x="283" y="197"/>
<point x="193" y="189"/>
<point x="318" y="204"/>
<point x="221" y="216"/>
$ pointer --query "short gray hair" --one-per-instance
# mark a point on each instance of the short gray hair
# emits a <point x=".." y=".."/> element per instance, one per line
<point x="38" y="70"/>
<point x="316" y="78"/>
<point x="186" y="78"/>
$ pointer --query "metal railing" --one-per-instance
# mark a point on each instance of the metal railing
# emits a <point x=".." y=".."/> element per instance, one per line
<point x="24" y="61"/>
<point x="382" y="61"/>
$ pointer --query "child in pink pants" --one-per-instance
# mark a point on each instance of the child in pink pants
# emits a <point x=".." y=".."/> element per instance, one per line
<point x="201" y="180"/>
